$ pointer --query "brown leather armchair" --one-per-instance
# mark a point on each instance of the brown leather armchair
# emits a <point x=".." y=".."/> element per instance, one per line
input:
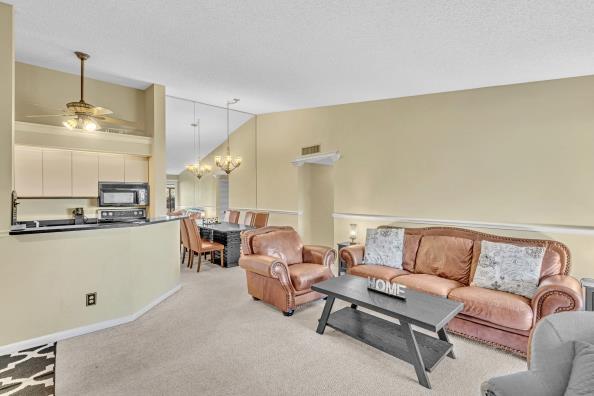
<point x="280" y="270"/>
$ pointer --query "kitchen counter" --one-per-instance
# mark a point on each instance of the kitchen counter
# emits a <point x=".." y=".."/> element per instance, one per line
<point x="46" y="227"/>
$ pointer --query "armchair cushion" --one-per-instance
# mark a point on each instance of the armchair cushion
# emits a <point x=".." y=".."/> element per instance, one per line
<point x="303" y="275"/>
<point x="502" y="308"/>
<point x="285" y="245"/>
<point x="377" y="271"/>
<point x="581" y="380"/>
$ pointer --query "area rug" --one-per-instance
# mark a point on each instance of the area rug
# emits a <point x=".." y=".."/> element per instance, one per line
<point x="29" y="372"/>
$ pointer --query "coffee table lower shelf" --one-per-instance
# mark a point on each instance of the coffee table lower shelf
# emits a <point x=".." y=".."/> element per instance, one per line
<point x="388" y="337"/>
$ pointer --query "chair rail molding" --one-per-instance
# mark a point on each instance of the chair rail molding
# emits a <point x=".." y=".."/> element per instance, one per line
<point x="320" y="159"/>
<point x="550" y="228"/>
<point x="273" y="211"/>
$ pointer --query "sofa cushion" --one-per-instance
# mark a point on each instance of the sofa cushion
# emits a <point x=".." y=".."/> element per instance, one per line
<point x="502" y="308"/>
<point x="510" y="268"/>
<point x="428" y="284"/>
<point x="303" y="275"/>
<point x="411" y="247"/>
<point x="384" y="246"/>
<point x="377" y="271"/>
<point x="285" y="245"/>
<point x="445" y="256"/>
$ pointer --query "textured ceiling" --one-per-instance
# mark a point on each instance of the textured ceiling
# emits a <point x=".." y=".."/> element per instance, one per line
<point x="284" y="54"/>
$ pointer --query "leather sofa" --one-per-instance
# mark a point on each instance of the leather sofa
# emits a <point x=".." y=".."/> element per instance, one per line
<point x="280" y="270"/>
<point x="441" y="261"/>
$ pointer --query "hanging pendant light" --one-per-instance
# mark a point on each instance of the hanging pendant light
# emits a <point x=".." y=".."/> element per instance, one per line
<point x="196" y="168"/>
<point x="228" y="163"/>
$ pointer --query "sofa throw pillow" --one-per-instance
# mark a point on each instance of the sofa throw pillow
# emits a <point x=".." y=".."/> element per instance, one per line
<point x="581" y="380"/>
<point x="510" y="268"/>
<point x="384" y="246"/>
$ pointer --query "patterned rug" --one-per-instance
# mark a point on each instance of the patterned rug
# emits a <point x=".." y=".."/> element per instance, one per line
<point x="29" y="372"/>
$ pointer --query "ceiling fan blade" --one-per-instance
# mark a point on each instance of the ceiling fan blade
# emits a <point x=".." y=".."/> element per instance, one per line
<point x="116" y="121"/>
<point x="99" y="111"/>
<point x="48" y="115"/>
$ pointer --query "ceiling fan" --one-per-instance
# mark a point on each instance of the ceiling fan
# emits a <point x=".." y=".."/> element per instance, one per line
<point x="83" y="115"/>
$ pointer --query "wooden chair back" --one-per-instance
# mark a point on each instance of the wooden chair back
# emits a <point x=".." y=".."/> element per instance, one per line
<point x="260" y="219"/>
<point x="194" y="235"/>
<point x="183" y="230"/>
<point x="249" y="218"/>
<point x="234" y="216"/>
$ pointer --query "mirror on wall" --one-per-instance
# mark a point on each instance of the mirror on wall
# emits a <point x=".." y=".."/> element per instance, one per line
<point x="182" y="149"/>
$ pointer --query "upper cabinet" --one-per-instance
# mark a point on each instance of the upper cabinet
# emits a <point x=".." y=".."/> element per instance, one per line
<point x="28" y="171"/>
<point x="65" y="173"/>
<point x="57" y="173"/>
<point x="135" y="169"/>
<point x="85" y="174"/>
<point x="111" y="167"/>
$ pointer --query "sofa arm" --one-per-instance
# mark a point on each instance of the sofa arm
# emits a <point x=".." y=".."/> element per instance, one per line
<point x="524" y="383"/>
<point x="319" y="255"/>
<point x="557" y="293"/>
<point x="352" y="255"/>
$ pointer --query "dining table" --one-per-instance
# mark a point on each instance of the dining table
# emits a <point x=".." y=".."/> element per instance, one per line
<point x="228" y="235"/>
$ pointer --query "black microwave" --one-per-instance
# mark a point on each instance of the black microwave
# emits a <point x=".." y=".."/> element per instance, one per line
<point x="123" y="194"/>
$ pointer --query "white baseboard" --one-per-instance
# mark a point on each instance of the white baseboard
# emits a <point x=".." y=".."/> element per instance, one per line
<point x="62" y="335"/>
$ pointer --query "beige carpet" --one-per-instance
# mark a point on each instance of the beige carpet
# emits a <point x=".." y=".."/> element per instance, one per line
<point x="211" y="338"/>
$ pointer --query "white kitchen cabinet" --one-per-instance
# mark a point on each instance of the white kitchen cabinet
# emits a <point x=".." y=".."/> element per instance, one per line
<point x="28" y="171"/>
<point x="57" y="173"/>
<point x="136" y="169"/>
<point x="111" y="167"/>
<point x="85" y="174"/>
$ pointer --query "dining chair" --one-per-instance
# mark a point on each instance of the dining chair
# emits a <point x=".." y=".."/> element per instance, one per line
<point x="198" y="246"/>
<point x="234" y="216"/>
<point x="249" y="218"/>
<point x="260" y="219"/>
<point x="185" y="239"/>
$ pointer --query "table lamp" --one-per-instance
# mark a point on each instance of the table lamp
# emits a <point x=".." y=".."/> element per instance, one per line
<point x="353" y="234"/>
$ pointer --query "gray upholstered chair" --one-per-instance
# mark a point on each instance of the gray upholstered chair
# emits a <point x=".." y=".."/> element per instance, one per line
<point x="550" y="357"/>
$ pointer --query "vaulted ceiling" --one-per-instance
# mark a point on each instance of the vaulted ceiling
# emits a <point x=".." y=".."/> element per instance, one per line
<point x="284" y="54"/>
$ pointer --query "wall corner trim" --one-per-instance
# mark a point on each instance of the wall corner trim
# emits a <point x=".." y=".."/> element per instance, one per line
<point x="77" y="331"/>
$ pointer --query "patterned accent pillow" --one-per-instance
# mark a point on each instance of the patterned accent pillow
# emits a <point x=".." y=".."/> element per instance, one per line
<point x="384" y="246"/>
<point x="510" y="268"/>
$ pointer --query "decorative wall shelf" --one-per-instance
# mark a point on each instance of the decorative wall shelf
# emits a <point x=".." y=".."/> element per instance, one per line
<point x="320" y="159"/>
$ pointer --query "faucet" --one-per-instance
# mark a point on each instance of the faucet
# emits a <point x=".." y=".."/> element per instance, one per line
<point x="36" y="223"/>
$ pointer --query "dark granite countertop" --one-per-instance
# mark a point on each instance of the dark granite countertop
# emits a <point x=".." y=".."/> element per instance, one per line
<point x="91" y="224"/>
<point x="226" y="227"/>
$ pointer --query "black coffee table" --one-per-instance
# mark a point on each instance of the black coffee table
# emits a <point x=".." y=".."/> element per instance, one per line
<point x="423" y="310"/>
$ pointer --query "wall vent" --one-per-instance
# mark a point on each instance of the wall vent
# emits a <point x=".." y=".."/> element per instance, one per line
<point x="310" y="150"/>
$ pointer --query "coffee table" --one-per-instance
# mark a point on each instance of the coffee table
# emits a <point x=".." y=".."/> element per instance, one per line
<point x="422" y="310"/>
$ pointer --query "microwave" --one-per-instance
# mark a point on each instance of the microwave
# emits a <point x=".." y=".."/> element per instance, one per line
<point x="123" y="194"/>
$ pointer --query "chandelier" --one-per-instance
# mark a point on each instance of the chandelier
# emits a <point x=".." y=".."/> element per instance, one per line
<point x="228" y="163"/>
<point x="197" y="169"/>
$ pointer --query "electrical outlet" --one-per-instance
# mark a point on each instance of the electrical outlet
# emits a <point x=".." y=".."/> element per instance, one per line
<point x="91" y="298"/>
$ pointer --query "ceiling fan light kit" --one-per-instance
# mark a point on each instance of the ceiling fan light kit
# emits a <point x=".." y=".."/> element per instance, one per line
<point x="83" y="115"/>
<point x="228" y="163"/>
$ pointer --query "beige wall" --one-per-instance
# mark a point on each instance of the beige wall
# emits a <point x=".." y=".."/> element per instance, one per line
<point x="6" y="113"/>
<point x="316" y="204"/>
<point x="45" y="277"/>
<point x="44" y="91"/>
<point x="517" y="154"/>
